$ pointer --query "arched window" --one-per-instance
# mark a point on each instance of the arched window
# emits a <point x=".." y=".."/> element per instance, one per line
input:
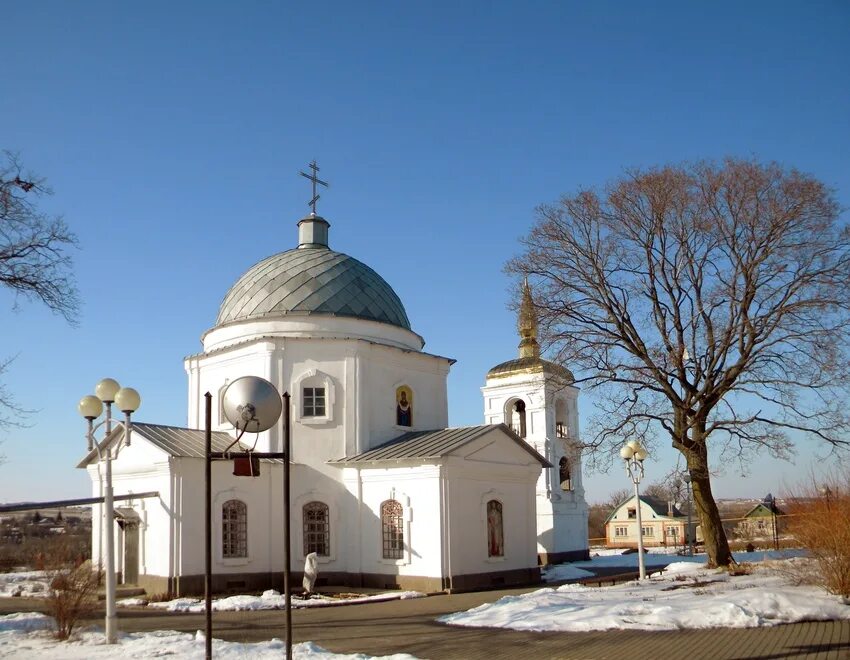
<point x="564" y="476"/>
<point x="516" y="417"/>
<point x="562" y="429"/>
<point x="495" y="531"/>
<point x="222" y="418"/>
<point x="317" y="531"/>
<point x="392" y="526"/>
<point x="234" y="529"/>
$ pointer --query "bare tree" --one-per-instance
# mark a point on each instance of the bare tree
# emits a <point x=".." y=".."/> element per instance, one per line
<point x="34" y="259"/>
<point x="617" y="497"/>
<point x="670" y="488"/>
<point x="700" y="302"/>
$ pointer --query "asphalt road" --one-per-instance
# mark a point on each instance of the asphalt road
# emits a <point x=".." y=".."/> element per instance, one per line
<point x="409" y="626"/>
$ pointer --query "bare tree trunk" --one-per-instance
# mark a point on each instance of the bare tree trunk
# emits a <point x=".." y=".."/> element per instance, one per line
<point x="716" y="545"/>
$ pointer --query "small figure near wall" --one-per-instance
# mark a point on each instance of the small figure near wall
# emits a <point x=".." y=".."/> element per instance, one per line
<point x="311" y="573"/>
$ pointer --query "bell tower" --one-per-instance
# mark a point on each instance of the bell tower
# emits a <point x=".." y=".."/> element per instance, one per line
<point x="537" y="399"/>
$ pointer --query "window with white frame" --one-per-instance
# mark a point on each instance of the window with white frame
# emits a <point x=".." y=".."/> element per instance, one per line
<point x="234" y="529"/>
<point x="621" y="531"/>
<point x="317" y="531"/>
<point x="313" y="402"/>
<point x="392" y="529"/>
<point x="649" y="531"/>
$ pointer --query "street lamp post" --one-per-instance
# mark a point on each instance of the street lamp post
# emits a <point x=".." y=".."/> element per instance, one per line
<point x="633" y="454"/>
<point x="688" y="535"/>
<point x="108" y="391"/>
<point x="826" y="492"/>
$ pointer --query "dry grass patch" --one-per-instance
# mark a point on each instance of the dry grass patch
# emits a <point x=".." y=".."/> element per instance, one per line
<point x="819" y="519"/>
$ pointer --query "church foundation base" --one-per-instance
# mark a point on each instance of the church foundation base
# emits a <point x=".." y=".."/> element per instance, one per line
<point x="232" y="583"/>
<point x="545" y="558"/>
<point x="496" y="580"/>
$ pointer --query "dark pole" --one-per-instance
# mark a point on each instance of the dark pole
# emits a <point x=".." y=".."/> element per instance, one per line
<point x="286" y="530"/>
<point x="690" y="527"/>
<point x="775" y="528"/>
<point x="208" y="524"/>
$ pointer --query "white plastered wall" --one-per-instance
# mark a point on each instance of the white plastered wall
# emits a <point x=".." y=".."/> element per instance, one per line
<point x="361" y="379"/>
<point x="140" y="468"/>
<point x="444" y="508"/>
<point x="491" y="467"/>
<point x="418" y="490"/>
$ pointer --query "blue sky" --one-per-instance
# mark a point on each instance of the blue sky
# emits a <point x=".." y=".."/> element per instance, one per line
<point x="172" y="134"/>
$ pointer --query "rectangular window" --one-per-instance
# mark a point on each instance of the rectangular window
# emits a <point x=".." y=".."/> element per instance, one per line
<point x="392" y="523"/>
<point x="234" y="529"/>
<point x="621" y="531"/>
<point x="648" y="531"/>
<point x="314" y="402"/>
<point x="632" y="514"/>
<point x="316" y="529"/>
<point x="672" y="531"/>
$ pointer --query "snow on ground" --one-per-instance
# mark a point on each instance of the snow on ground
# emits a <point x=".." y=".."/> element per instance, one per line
<point x="24" y="583"/>
<point x="29" y="635"/>
<point x="687" y="595"/>
<point x="656" y="558"/>
<point x="561" y="572"/>
<point x="35" y="584"/>
<point x="270" y="600"/>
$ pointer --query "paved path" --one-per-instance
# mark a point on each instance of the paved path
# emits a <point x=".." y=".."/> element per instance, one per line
<point x="408" y="626"/>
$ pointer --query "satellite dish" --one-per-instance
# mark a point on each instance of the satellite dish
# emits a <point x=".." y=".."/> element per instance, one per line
<point x="251" y="404"/>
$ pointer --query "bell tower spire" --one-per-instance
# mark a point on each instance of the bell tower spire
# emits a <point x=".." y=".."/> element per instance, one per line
<point x="538" y="401"/>
<point x="527" y="325"/>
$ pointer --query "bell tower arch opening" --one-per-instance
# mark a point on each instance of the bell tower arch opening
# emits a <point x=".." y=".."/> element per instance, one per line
<point x="515" y="417"/>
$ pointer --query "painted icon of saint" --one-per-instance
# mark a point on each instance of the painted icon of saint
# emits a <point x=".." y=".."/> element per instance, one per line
<point x="404" y="409"/>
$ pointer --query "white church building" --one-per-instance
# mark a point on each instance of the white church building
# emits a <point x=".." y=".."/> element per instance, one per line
<point x="382" y="491"/>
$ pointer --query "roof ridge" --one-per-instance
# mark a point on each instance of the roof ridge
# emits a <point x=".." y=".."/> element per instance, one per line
<point x="431" y="444"/>
<point x="173" y="426"/>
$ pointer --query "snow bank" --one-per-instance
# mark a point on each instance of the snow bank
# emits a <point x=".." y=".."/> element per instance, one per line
<point x="687" y="596"/>
<point x="273" y="600"/>
<point x="24" y="583"/>
<point x="23" y="635"/>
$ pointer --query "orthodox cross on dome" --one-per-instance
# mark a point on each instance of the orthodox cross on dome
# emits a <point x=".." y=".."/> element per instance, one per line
<point x="527" y="325"/>
<point x="316" y="180"/>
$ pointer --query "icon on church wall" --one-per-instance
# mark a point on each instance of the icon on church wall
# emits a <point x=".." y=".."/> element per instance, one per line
<point x="404" y="406"/>
<point x="495" y="531"/>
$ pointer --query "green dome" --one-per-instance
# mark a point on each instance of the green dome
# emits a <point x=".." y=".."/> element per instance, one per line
<point x="312" y="280"/>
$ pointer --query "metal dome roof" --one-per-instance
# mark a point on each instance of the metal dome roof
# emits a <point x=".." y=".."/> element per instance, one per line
<point x="530" y="365"/>
<point x="312" y="280"/>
